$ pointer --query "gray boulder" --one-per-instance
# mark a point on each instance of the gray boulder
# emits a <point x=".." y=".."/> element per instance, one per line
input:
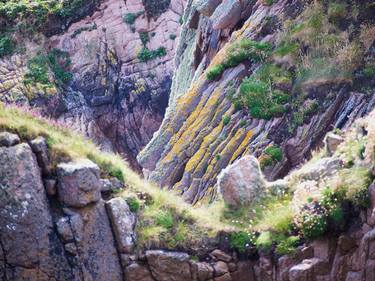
<point x="332" y="141"/>
<point x="169" y="266"/>
<point x="242" y="182"/>
<point x="227" y="14"/>
<point x="40" y="148"/>
<point x="78" y="183"/>
<point x="123" y="223"/>
<point x="8" y="139"/>
<point x="207" y="7"/>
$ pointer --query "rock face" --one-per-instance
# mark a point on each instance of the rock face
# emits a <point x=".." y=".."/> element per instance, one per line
<point x="242" y="183"/>
<point x="115" y="98"/>
<point x="78" y="183"/>
<point x="193" y="145"/>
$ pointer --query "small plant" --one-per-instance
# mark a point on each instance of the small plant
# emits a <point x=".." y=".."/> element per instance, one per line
<point x="336" y="11"/>
<point x="144" y="38"/>
<point x="7" y="46"/>
<point x="312" y="220"/>
<point x="264" y="241"/>
<point x="214" y="72"/>
<point x="287" y="246"/>
<point x="165" y="219"/>
<point x="145" y="54"/>
<point x="240" y="241"/>
<point x="172" y="36"/>
<point x="226" y="120"/>
<point x="133" y="204"/>
<point x="130" y="18"/>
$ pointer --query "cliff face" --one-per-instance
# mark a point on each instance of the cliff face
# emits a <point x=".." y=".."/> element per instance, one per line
<point x="117" y="97"/>
<point x="195" y="142"/>
<point x="58" y="223"/>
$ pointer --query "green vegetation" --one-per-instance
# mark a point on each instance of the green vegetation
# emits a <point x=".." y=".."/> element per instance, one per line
<point x="240" y="241"/>
<point x="26" y="15"/>
<point x="133" y="203"/>
<point x="337" y="11"/>
<point x="82" y="29"/>
<point x="260" y="93"/>
<point x="238" y="52"/>
<point x="130" y="18"/>
<point x="7" y="46"/>
<point x="55" y="61"/>
<point x="144" y="38"/>
<point x="226" y="120"/>
<point x="172" y="36"/>
<point x="146" y="55"/>
<point x="270" y="156"/>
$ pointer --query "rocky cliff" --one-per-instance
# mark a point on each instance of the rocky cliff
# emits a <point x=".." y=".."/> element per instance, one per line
<point x="121" y="59"/>
<point x="213" y="119"/>
<point x="66" y="220"/>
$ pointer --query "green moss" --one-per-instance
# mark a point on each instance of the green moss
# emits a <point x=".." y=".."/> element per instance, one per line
<point x="288" y="246"/>
<point x="275" y="152"/>
<point x="264" y="241"/>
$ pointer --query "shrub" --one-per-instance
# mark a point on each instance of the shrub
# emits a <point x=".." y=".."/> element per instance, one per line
<point x="336" y="11"/>
<point x="214" y="72"/>
<point x="246" y="49"/>
<point x="172" y="36"/>
<point x="130" y="18"/>
<point x="275" y="152"/>
<point x="369" y="71"/>
<point x="39" y="66"/>
<point x="133" y="203"/>
<point x="145" y="54"/>
<point x="226" y="120"/>
<point x="240" y="241"/>
<point x="352" y="184"/>
<point x="7" y="46"/>
<point x="288" y="245"/>
<point x="264" y="241"/>
<point x="144" y="38"/>
<point x="312" y="220"/>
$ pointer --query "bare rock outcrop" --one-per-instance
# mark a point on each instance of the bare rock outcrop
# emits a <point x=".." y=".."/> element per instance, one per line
<point x="242" y="183"/>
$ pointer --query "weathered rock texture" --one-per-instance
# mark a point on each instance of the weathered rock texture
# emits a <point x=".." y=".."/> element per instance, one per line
<point x="115" y="99"/>
<point x="193" y="145"/>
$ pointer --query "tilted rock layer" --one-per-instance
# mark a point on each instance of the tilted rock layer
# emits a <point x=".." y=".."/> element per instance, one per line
<point x="193" y="144"/>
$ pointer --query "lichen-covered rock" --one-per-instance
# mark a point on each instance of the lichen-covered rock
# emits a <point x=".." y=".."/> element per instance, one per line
<point x="332" y="141"/>
<point x="78" y="183"/>
<point x="30" y="248"/>
<point x="123" y="223"/>
<point x="169" y="266"/>
<point x="8" y="139"/>
<point x="242" y="183"/>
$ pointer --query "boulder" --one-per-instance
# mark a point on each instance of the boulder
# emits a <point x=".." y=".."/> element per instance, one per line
<point x="111" y="184"/>
<point x="123" y="224"/>
<point x="220" y="255"/>
<point x="40" y="148"/>
<point x="242" y="182"/>
<point x="206" y="8"/>
<point x="244" y="272"/>
<point x="138" y="272"/>
<point x="319" y="169"/>
<point x="227" y="14"/>
<point x="220" y="268"/>
<point x="169" y="266"/>
<point x="78" y="183"/>
<point x="8" y="139"/>
<point x="332" y="141"/>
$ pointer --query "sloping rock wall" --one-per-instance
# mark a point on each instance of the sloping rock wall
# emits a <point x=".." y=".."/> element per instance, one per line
<point x="193" y="145"/>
